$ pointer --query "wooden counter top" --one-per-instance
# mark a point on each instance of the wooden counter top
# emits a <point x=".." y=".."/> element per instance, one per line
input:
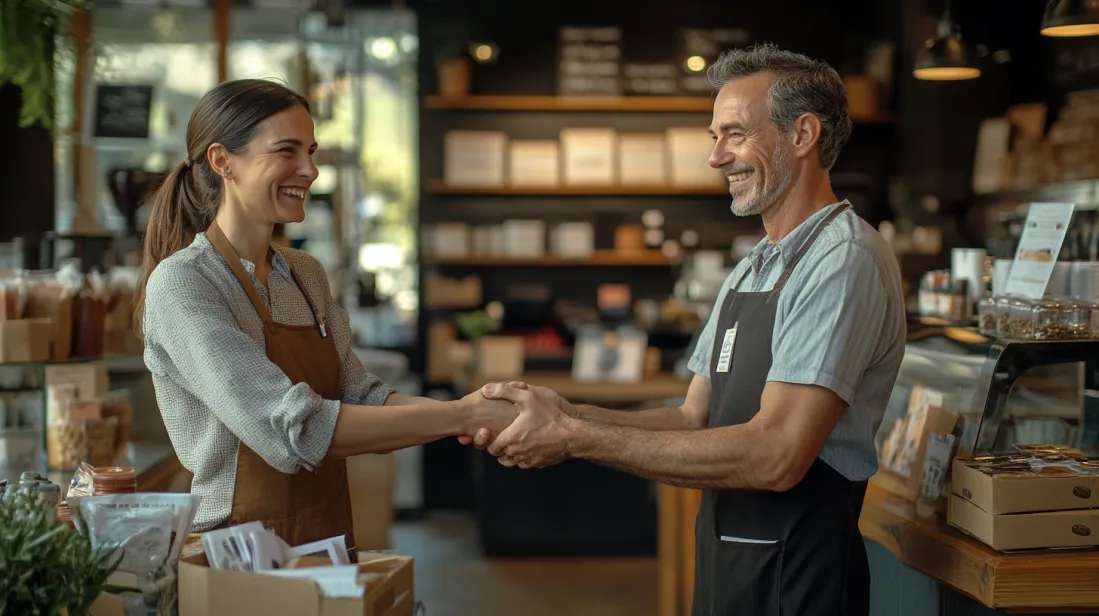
<point x="654" y="388"/>
<point x="1064" y="581"/>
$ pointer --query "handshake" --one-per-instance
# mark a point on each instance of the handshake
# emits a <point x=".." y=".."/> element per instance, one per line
<point x="522" y="425"/>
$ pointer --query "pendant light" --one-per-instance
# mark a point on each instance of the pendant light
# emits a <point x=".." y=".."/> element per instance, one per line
<point x="944" y="58"/>
<point x="1071" y="18"/>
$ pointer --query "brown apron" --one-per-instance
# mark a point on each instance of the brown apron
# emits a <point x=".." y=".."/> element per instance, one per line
<point x="303" y="506"/>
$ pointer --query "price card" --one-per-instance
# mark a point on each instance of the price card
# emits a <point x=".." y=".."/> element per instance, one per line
<point x="1046" y="226"/>
<point x="936" y="463"/>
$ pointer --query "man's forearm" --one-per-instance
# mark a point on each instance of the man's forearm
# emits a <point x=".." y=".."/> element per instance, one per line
<point x="731" y="457"/>
<point x="663" y="418"/>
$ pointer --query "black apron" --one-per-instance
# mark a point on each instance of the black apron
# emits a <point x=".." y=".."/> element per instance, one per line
<point x="766" y="553"/>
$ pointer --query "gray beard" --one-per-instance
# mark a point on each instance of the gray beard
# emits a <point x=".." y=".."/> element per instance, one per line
<point x="755" y="203"/>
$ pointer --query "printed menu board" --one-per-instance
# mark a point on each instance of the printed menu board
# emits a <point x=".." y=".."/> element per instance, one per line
<point x="1046" y="226"/>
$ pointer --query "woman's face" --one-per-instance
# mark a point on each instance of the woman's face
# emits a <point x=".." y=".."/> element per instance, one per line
<point x="270" y="179"/>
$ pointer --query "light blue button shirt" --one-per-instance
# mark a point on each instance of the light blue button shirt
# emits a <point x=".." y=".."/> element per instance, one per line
<point x="840" y="324"/>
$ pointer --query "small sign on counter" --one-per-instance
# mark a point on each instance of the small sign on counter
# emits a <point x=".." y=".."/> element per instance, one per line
<point x="1036" y="254"/>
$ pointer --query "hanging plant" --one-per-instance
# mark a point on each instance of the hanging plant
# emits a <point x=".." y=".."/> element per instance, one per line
<point x="29" y="32"/>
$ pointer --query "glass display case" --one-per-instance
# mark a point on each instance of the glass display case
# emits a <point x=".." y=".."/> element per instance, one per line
<point x="1001" y="393"/>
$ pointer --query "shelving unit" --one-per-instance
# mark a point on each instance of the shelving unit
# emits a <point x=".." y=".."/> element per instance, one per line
<point x="594" y="103"/>
<point x="598" y="258"/>
<point x="439" y="187"/>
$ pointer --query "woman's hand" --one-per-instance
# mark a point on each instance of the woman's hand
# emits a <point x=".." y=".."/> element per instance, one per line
<point x="484" y="416"/>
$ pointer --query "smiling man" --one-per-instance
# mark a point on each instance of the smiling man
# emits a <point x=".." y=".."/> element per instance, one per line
<point x="792" y="372"/>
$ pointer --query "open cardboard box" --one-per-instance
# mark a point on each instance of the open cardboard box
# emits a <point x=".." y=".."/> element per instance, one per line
<point x="214" y="592"/>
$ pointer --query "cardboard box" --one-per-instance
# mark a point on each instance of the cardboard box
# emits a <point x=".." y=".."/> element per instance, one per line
<point x="1052" y="488"/>
<point x="213" y="592"/>
<point x="25" y="340"/>
<point x="370" y="481"/>
<point x="1026" y="531"/>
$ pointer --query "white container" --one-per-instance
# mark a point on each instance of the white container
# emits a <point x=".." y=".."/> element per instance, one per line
<point x="525" y="239"/>
<point x="970" y="264"/>
<point x="573" y="240"/>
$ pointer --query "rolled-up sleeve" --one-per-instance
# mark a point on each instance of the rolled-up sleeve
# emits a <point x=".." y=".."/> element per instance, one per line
<point x="831" y="330"/>
<point x="193" y="338"/>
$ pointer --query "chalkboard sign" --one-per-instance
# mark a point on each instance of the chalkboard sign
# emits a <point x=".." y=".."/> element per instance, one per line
<point x="707" y="45"/>
<point x="589" y="61"/>
<point x="122" y="111"/>
<point x="657" y="79"/>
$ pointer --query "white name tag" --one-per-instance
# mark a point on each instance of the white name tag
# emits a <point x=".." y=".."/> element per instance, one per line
<point x="725" y="358"/>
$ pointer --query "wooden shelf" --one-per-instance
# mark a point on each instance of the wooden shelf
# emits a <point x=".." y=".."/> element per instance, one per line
<point x="572" y="103"/>
<point x="667" y="104"/>
<point x="438" y="187"/>
<point x="598" y="258"/>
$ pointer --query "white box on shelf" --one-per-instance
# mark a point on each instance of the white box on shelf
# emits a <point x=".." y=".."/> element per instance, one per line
<point x="642" y="160"/>
<point x="446" y="240"/>
<point x="534" y="162"/>
<point x="589" y="156"/>
<point x="474" y="158"/>
<point x="689" y="150"/>
<point x="573" y="240"/>
<point x="524" y="238"/>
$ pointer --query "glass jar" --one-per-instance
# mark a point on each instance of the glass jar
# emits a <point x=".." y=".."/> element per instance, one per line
<point x="1015" y="318"/>
<point x="1046" y="320"/>
<point x="1076" y="318"/>
<point x="987" y="315"/>
<point x="114" y="480"/>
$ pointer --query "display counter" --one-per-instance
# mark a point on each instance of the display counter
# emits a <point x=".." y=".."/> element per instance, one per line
<point x="919" y="567"/>
<point x="922" y="566"/>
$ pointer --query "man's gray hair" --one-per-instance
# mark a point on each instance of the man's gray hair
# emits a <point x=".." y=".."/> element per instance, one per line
<point x="802" y="85"/>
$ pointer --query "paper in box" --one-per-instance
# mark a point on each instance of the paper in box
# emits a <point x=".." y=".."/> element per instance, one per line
<point x="214" y="592"/>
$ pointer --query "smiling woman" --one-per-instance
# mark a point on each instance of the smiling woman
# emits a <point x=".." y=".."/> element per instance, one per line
<point x="257" y="383"/>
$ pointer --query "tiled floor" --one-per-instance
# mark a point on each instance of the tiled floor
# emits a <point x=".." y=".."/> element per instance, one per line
<point x="452" y="579"/>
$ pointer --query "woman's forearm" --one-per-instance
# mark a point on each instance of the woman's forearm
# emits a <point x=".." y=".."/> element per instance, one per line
<point x="406" y="421"/>
<point x="398" y="424"/>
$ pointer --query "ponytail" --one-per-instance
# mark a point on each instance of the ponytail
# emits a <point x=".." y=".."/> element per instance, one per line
<point x="177" y="215"/>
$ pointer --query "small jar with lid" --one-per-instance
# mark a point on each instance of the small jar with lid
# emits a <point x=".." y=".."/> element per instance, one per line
<point x="1015" y="319"/>
<point x="1076" y="318"/>
<point x="1046" y="320"/>
<point x="113" y="480"/>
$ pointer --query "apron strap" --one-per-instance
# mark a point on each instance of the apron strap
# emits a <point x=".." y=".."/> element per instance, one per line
<point x="781" y="282"/>
<point x="309" y="300"/>
<point x="221" y="243"/>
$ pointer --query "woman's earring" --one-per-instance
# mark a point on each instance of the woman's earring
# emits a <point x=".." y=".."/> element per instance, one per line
<point x="225" y="173"/>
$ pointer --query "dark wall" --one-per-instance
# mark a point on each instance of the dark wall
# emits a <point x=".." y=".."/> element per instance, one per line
<point x="26" y="175"/>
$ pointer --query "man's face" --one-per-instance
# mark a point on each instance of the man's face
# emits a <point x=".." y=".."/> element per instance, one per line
<point x="754" y="155"/>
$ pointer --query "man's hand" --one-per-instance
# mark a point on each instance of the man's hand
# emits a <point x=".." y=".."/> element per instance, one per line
<point x="540" y="435"/>
<point x="484" y="437"/>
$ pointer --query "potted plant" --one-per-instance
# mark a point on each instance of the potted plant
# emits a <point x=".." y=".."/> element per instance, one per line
<point x="29" y="33"/>
<point x="452" y="59"/>
<point x="49" y="568"/>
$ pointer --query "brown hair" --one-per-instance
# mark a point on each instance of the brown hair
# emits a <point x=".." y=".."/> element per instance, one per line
<point x="187" y="200"/>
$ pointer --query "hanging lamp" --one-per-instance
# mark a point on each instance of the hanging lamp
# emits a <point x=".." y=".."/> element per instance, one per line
<point x="944" y="58"/>
<point x="1064" y="18"/>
